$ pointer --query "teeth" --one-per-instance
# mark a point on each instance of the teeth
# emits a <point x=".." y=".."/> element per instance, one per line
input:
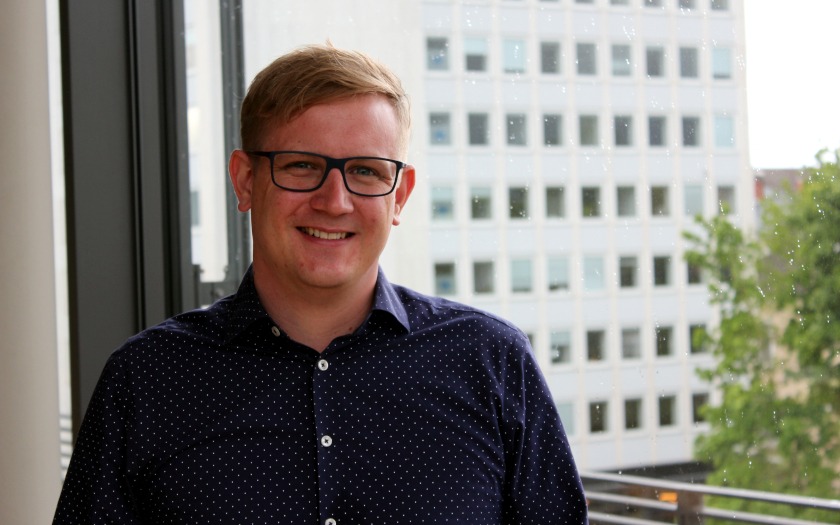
<point x="324" y="235"/>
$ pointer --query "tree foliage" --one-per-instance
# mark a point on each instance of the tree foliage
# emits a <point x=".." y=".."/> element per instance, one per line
<point x="777" y="345"/>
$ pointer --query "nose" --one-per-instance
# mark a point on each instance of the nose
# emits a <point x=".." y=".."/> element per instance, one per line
<point x="332" y="197"/>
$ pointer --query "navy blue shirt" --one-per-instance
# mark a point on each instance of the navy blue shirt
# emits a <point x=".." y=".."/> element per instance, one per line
<point x="431" y="412"/>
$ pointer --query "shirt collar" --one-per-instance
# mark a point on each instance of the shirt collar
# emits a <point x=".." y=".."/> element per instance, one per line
<point x="386" y="299"/>
<point x="245" y="307"/>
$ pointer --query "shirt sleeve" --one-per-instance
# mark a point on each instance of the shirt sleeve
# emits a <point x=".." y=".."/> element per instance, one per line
<point x="96" y="488"/>
<point x="542" y="482"/>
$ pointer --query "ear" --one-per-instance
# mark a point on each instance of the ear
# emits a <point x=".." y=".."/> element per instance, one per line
<point x="241" y="171"/>
<point x="403" y="191"/>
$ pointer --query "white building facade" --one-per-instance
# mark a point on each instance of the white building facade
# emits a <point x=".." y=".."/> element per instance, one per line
<point x="562" y="147"/>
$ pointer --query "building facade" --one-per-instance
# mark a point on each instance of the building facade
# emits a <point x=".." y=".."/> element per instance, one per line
<point x="562" y="147"/>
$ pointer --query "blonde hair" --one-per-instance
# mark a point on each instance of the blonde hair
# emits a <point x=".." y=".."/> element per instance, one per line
<point x="311" y="75"/>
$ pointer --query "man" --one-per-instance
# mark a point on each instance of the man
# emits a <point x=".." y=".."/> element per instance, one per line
<point x="320" y="392"/>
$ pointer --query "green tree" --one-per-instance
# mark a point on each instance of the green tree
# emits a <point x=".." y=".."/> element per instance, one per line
<point x="777" y="345"/>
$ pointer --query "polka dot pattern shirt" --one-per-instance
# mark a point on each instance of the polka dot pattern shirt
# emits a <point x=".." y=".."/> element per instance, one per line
<point x="432" y="412"/>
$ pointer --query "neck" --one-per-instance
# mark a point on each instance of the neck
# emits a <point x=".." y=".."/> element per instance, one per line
<point x="314" y="316"/>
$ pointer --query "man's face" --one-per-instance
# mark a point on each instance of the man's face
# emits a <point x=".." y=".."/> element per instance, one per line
<point x="328" y="238"/>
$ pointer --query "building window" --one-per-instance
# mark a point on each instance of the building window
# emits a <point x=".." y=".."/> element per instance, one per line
<point x="726" y="199"/>
<point x="481" y="203"/>
<point x="586" y="59"/>
<point x="588" y="130"/>
<point x="443" y="207"/>
<point x="721" y="63"/>
<point x="560" y="347"/>
<point x="550" y="57"/>
<point x="662" y="270"/>
<point x="720" y="5"/>
<point x="439" y="128"/>
<point x="688" y="62"/>
<point x="693" y="200"/>
<point x="623" y="131"/>
<point x="632" y="414"/>
<point x="686" y="4"/>
<point x="518" y="202"/>
<point x="437" y="58"/>
<point x="558" y="273"/>
<point x="520" y="276"/>
<point x="513" y="56"/>
<point x="628" y="270"/>
<point x="724" y="131"/>
<point x="626" y="201"/>
<point x="598" y="417"/>
<point x="445" y="278"/>
<point x="483" y="277"/>
<point x="631" y="343"/>
<point x="653" y="3"/>
<point x="621" y="64"/>
<point x="655" y="61"/>
<point x="691" y="131"/>
<point x="591" y="201"/>
<point x="619" y="2"/>
<point x="516" y="130"/>
<point x="664" y="341"/>
<point x="552" y="130"/>
<point x="479" y="129"/>
<point x="595" y="345"/>
<point x="656" y="131"/>
<point x="555" y="202"/>
<point x="698" y="405"/>
<point x="667" y="411"/>
<point x="697" y="338"/>
<point x="659" y="202"/>
<point x="566" y="413"/>
<point x="475" y="54"/>
<point x="694" y="273"/>
<point x="593" y="273"/>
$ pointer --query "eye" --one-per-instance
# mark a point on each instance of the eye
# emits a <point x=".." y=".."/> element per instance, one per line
<point x="363" y="171"/>
<point x="298" y="165"/>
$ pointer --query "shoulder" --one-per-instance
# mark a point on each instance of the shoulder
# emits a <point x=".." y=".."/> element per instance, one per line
<point x="195" y="329"/>
<point x="427" y="313"/>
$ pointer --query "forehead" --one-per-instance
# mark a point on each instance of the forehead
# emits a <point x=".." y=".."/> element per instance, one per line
<point x="358" y="125"/>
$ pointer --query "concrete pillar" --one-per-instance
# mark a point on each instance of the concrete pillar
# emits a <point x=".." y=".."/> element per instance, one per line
<point x="29" y="420"/>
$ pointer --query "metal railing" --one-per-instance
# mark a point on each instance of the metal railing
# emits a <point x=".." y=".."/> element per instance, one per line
<point x="619" y="499"/>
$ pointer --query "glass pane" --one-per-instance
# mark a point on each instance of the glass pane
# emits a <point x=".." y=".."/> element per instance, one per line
<point x="520" y="275"/>
<point x="479" y="129"/>
<point x="586" y="59"/>
<point x="593" y="273"/>
<point x="621" y="65"/>
<point x="481" y="202"/>
<point x="445" y="279"/>
<point x="550" y="57"/>
<point x="210" y="191"/>
<point x="475" y="54"/>
<point x="558" y="273"/>
<point x="514" y="56"/>
<point x="483" y="277"/>
<point x="443" y="199"/>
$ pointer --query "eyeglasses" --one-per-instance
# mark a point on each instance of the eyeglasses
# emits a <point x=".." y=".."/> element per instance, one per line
<point x="302" y="171"/>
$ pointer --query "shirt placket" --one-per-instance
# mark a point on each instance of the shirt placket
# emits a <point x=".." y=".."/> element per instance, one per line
<point x="329" y="440"/>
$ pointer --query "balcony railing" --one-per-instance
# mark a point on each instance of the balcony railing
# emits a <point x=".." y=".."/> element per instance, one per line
<point x="619" y="499"/>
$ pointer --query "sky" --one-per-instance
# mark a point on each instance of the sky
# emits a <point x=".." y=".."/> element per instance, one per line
<point x="793" y="80"/>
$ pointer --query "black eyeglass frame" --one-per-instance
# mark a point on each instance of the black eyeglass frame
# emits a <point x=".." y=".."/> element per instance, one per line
<point x="332" y="163"/>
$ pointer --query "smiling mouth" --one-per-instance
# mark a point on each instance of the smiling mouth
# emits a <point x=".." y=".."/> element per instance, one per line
<point x="325" y="235"/>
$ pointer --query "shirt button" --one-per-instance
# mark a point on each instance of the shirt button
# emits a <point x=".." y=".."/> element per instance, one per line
<point x="275" y="331"/>
<point x="329" y="521"/>
<point x="323" y="364"/>
<point x="326" y="441"/>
